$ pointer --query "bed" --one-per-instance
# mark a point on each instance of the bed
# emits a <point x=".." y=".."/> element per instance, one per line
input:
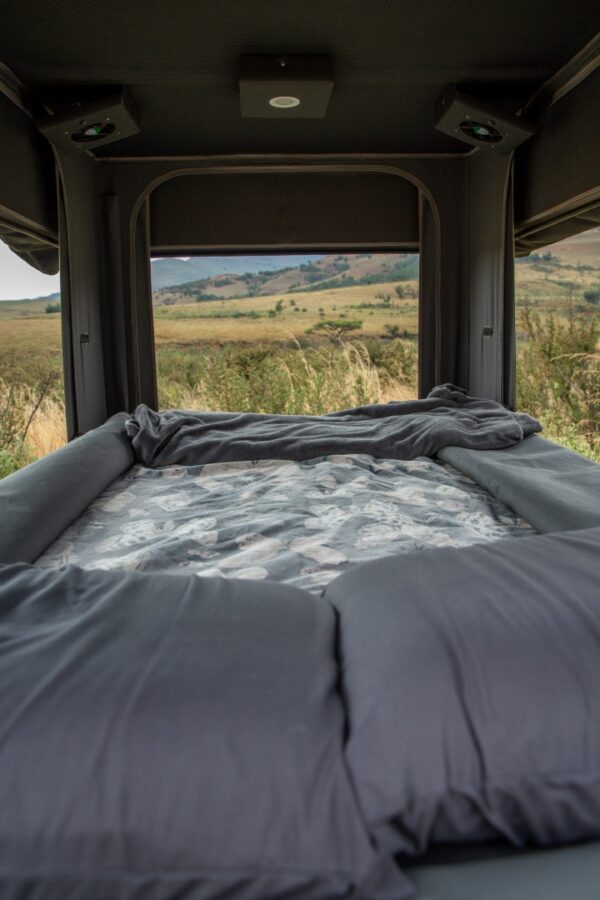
<point x="272" y="685"/>
<point x="300" y="523"/>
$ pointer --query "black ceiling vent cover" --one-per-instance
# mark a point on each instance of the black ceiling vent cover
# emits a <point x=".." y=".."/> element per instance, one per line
<point x="90" y="125"/>
<point x="285" y="87"/>
<point x="480" y="123"/>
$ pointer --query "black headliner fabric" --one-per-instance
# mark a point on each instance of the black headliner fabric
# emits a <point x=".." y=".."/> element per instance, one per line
<point x="392" y="62"/>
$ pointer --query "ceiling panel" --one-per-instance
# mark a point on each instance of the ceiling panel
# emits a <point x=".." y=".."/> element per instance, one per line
<point x="393" y="59"/>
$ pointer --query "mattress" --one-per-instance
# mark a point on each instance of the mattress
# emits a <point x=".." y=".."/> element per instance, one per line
<point x="301" y="523"/>
<point x="502" y="873"/>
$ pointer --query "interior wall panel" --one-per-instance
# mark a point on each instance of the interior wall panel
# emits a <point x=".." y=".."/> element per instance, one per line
<point x="557" y="172"/>
<point x="28" y="195"/>
<point x="283" y="209"/>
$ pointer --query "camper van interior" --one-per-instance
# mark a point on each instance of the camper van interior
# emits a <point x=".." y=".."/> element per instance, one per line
<point x="255" y="648"/>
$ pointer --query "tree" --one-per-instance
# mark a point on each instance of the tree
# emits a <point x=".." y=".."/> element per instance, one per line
<point x="336" y="329"/>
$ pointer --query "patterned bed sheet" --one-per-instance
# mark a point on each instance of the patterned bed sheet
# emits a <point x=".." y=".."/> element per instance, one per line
<point x="302" y="523"/>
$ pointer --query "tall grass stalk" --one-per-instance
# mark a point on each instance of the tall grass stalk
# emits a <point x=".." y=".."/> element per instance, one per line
<point x="558" y="378"/>
<point x="32" y="423"/>
<point x="294" y="380"/>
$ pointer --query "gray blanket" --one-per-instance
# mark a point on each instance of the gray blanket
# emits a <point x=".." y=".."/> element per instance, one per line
<point x="448" y="416"/>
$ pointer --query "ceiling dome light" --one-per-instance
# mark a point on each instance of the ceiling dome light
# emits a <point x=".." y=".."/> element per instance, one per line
<point x="284" y="102"/>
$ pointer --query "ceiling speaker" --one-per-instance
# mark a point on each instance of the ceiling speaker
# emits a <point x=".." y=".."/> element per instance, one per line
<point x="480" y="124"/>
<point x="91" y="125"/>
<point x="285" y="87"/>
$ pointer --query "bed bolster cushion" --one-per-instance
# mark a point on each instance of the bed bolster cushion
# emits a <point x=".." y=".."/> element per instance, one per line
<point x="471" y="683"/>
<point x="41" y="500"/>
<point x="549" y="486"/>
<point x="169" y="736"/>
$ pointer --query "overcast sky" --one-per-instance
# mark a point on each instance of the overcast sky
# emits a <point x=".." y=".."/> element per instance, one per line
<point x="18" y="280"/>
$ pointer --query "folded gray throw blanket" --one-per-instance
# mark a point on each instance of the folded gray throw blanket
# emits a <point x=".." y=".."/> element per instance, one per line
<point x="448" y="416"/>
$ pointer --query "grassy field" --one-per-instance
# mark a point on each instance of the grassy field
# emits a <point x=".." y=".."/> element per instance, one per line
<point x="310" y="351"/>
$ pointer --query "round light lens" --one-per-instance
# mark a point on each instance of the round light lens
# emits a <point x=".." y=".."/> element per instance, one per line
<point x="284" y="102"/>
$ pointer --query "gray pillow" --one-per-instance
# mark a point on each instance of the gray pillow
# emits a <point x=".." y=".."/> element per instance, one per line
<point x="170" y="737"/>
<point x="471" y="679"/>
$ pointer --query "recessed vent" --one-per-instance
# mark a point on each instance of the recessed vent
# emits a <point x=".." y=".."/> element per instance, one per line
<point x="90" y="125"/>
<point x="481" y="124"/>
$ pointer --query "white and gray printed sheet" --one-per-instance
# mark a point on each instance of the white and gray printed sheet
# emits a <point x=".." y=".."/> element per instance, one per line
<point x="302" y="523"/>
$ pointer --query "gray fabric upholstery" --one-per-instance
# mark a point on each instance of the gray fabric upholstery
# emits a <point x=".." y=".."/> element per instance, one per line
<point x="551" y="487"/>
<point x="168" y="737"/>
<point x="41" y="500"/>
<point x="566" y="872"/>
<point x="470" y="678"/>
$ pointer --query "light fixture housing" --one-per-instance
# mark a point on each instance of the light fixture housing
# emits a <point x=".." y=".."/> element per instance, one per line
<point x="90" y="125"/>
<point x="282" y="86"/>
<point x="480" y="123"/>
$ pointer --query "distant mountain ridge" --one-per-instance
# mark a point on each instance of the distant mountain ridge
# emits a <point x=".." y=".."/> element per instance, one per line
<point x="204" y="277"/>
<point x="172" y="272"/>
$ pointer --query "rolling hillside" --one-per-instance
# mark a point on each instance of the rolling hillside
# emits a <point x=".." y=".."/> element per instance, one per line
<point x="331" y="271"/>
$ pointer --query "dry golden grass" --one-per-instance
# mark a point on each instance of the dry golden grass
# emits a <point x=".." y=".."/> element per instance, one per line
<point x="29" y="346"/>
<point x="32" y="423"/>
<point x="191" y="323"/>
<point x="48" y="430"/>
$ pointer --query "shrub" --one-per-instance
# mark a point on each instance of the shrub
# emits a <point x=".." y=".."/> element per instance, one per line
<point x="396" y="360"/>
<point x="52" y="308"/>
<point x="558" y="378"/>
<point x="281" y="379"/>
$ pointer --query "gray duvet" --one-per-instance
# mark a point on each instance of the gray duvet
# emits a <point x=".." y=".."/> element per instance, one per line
<point x="296" y="522"/>
<point x="448" y="416"/>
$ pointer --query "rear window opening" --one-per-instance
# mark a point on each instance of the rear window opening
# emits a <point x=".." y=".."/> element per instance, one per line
<point x="558" y="340"/>
<point x="294" y="334"/>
